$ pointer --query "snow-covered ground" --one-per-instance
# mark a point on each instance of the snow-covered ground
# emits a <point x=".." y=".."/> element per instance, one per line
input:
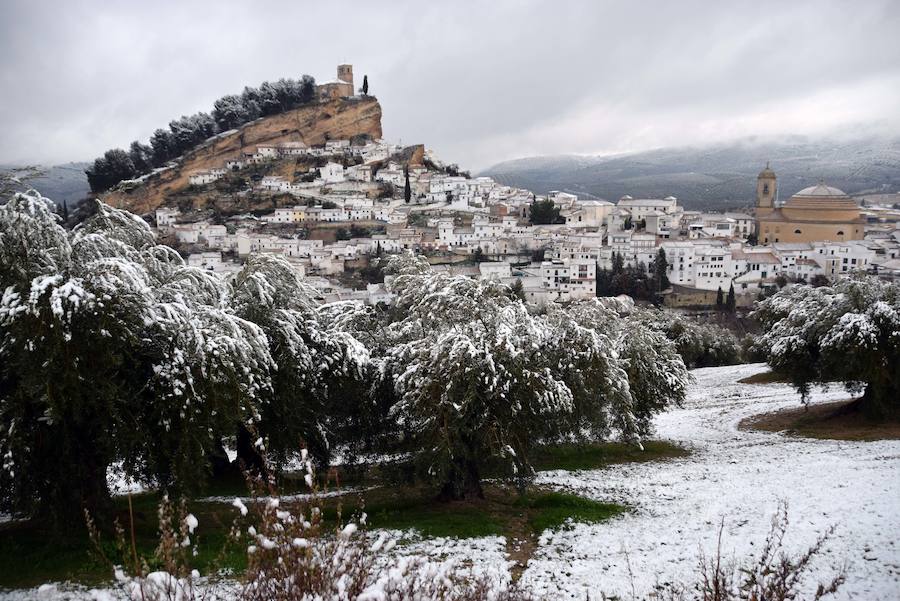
<point x="734" y="475"/>
<point x="739" y="476"/>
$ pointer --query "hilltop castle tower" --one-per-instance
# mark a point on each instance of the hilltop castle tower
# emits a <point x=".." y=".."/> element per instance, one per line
<point x="340" y="87"/>
<point x="345" y="73"/>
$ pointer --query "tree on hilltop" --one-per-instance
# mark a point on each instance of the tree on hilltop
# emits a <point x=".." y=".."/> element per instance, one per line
<point x="114" y="166"/>
<point x="186" y="132"/>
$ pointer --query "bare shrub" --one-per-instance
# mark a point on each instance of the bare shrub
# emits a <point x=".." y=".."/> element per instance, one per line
<point x="774" y="576"/>
<point x="167" y="575"/>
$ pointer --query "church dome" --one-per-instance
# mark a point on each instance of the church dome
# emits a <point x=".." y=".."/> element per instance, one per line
<point x="766" y="173"/>
<point x="821" y="191"/>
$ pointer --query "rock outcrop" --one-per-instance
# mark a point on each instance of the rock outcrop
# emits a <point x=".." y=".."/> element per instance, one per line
<point x="338" y="119"/>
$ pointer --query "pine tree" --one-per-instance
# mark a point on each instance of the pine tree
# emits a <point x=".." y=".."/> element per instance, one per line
<point x="545" y="212"/>
<point x="618" y="263"/>
<point x="518" y="289"/>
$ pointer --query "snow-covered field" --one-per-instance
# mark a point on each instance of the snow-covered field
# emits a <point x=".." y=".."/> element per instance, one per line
<point x="739" y="476"/>
<point x="733" y="475"/>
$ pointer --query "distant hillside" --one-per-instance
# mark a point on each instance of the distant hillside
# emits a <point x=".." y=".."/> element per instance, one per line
<point x="714" y="177"/>
<point x="313" y="124"/>
<point x="60" y="182"/>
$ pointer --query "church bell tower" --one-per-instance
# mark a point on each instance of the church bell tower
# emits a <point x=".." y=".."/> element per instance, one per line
<point x="766" y="188"/>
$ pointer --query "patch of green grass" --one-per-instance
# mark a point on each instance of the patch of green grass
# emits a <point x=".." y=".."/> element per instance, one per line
<point x="436" y="519"/>
<point x="31" y="554"/>
<point x="29" y="557"/>
<point x="593" y="456"/>
<point x="554" y="509"/>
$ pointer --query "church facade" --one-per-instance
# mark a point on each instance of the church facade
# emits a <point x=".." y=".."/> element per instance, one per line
<point x="814" y="214"/>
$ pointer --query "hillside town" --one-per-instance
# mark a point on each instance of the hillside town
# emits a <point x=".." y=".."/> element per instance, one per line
<point x="368" y="198"/>
<point x="453" y="217"/>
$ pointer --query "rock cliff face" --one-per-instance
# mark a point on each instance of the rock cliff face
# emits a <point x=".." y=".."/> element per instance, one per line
<point x="338" y="119"/>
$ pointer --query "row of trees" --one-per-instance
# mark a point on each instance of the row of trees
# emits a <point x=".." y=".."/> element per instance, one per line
<point x="699" y="344"/>
<point x="639" y="281"/>
<point x="726" y="303"/>
<point x="183" y="134"/>
<point x="114" y="352"/>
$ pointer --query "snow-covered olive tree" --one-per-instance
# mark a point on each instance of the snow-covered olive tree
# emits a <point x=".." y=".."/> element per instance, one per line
<point x="110" y="349"/>
<point x="315" y="365"/>
<point x="699" y="344"/>
<point x="68" y="333"/>
<point x="849" y="332"/>
<point x="655" y="372"/>
<point x="479" y="377"/>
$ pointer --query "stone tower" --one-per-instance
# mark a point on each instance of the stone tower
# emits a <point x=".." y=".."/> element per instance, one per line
<point x="345" y="73"/>
<point x="766" y="188"/>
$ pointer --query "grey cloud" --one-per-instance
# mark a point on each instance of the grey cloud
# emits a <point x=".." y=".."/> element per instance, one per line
<point x="478" y="81"/>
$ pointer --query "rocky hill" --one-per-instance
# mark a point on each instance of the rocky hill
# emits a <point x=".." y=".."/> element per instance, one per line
<point x="314" y="124"/>
<point x="714" y="177"/>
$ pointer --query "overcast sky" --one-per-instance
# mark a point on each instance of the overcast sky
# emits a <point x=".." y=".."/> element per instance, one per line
<point x="477" y="82"/>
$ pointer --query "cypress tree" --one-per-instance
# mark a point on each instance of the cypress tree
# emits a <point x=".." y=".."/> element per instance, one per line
<point x="720" y="299"/>
<point x="407" y="189"/>
<point x="661" y="270"/>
